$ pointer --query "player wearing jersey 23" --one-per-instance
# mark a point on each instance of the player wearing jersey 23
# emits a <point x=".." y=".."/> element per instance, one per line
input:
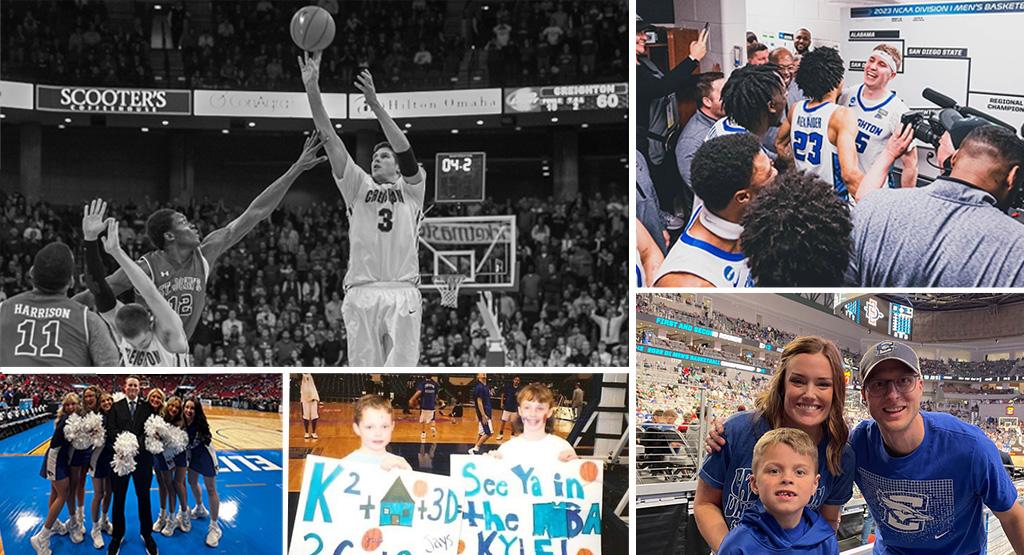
<point x="382" y="307"/>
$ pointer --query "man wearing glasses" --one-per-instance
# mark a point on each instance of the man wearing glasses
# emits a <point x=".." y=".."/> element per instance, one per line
<point x="925" y="475"/>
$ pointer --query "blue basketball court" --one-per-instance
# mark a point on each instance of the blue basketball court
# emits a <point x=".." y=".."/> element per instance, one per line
<point x="249" y="483"/>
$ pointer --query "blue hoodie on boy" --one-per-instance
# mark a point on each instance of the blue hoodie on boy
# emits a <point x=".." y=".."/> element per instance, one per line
<point x="758" y="532"/>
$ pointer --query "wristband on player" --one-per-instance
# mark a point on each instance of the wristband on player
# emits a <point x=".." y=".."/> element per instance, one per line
<point x="407" y="163"/>
<point x="95" y="278"/>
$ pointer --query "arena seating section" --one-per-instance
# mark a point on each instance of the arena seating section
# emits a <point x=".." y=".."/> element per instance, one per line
<point x="245" y="45"/>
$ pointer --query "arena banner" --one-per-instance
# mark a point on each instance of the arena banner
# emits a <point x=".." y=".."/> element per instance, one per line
<point x="544" y="508"/>
<point x="567" y="98"/>
<point x="15" y="95"/>
<point x="265" y="104"/>
<point x="107" y="100"/>
<point x="439" y="232"/>
<point x="346" y="509"/>
<point x="427" y="104"/>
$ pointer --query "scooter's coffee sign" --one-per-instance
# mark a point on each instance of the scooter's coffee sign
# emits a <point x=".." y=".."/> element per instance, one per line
<point x="102" y="100"/>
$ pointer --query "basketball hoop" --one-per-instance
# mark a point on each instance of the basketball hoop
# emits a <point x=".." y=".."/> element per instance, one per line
<point x="448" y="285"/>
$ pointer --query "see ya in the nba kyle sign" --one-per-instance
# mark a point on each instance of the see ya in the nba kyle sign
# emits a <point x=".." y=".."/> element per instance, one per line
<point x="548" y="509"/>
<point x="486" y="507"/>
<point x="356" y="508"/>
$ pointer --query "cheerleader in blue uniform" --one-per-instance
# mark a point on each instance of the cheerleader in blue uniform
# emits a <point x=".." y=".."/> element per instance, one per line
<point x="155" y="398"/>
<point x="80" y="459"/>
<point x="168" y="471"/>
<point x="102" y="492"/>
<point x="57" y="469"/>
<point x="202" y="459"/>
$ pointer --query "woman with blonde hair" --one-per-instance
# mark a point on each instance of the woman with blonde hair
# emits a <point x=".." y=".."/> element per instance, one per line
<point x="807" y="392"/>
<point x="80" y="458"/>
<point x="171" y="474"/>
<point x="101" y="486"/>
<point x="155" y="398"/>
<point x="57" y="469"/>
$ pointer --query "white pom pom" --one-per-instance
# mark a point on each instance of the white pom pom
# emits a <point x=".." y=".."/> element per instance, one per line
<point x="118" y="396"/>
<point x="126" y="446"/>
<point x="92" y="428"/>
<point x="176" y="441"/>
<point x="155" y="428"/>
<point x="76" y="433"/>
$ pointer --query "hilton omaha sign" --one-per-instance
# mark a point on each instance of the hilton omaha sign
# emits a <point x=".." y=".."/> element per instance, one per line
<point x="101" y="100"/>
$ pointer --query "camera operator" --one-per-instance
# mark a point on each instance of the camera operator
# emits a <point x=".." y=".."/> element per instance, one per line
<point x="952" y="233"/>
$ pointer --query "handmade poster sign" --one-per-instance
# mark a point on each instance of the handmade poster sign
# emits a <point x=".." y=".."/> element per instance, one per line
<point x="543" y="509"/>
<point x="348" y="509"/>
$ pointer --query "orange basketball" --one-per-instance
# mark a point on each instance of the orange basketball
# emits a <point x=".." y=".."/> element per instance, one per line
<point x="462" y="546"/>
<point x="584" y="551"/>
<point x="372" y="539"/>
<point x="588" y="471"/>
<point x="312" y="28"/>
<point x="419" y="489"/>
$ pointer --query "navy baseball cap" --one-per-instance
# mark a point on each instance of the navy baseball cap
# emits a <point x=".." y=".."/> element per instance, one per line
<point x="888" y="350"/>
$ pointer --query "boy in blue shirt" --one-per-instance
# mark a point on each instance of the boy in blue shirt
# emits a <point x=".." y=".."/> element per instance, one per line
<point x="427" y="395"/>
<point x="926" y="475"/>
<point x="509" y="407"/>
<point x="482" y="405"/>
<point x="784" y="477"/>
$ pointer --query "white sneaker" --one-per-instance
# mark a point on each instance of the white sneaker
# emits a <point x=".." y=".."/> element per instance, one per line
<point x="315" y="436"/>
<point x="59" y="528"/>
<point x="213" y="536"/>
<point x="199" y="511"/>
<point x="169" y="527"/>
<point x="97" y="537"/>
<point x="76" y="533"/>
<point x="500" y="436"/>
<point x="106" y="525"/>
<point x="184" y="521"/>
<point x="473" y="451"/>
<point x="41" y="541"/>
<point x="160" y="522"/>
<point x="306" y="436"/>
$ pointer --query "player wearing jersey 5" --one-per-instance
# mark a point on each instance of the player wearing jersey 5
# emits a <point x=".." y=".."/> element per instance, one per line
<point x="878" y="111"/>
<point x="148" y="335"/>
<point x="43" y="327"/>
<point x="823" y="133"/>
<point x="181" y="264"/>
<point x="382" y="305"/>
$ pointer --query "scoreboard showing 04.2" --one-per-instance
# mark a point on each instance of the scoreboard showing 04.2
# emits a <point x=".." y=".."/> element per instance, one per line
<point x="459" y="176"/>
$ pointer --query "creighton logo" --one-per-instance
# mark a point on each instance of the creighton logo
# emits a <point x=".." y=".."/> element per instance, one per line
<point x="904" y="511"/>
<point x="872" y="312"/>
<point x="884" y="348"/>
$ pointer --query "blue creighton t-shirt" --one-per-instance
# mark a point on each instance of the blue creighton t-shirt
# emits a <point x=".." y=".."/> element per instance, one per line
<point x="729" y="469"/>
<point x="930" y="501"/>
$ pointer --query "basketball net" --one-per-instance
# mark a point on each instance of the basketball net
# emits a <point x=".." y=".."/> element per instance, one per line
<point x="448" y="285"/>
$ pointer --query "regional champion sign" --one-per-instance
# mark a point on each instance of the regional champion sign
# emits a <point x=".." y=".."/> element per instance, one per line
<point x="104" y="100"/>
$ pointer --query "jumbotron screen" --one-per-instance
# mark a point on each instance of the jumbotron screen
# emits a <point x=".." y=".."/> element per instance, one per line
<point x="878" y="314"/>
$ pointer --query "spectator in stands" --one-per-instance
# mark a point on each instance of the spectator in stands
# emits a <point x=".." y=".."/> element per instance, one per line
<point x="807" y="392"/>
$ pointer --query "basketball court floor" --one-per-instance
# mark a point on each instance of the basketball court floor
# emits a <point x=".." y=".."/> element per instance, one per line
<point x="249" y="481"/>
<point x="454" y="437"/>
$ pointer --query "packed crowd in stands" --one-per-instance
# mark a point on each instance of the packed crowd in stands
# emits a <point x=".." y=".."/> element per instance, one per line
<point x="248" y="391"/>
<point x="275" y="298"/>
<point x="410" y="45"/>
<point x="982" y="368"/>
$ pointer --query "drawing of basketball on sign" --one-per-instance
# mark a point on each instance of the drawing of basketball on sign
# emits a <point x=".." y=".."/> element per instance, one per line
<point x="545" y="508"/>
<point x="357" y="508"/>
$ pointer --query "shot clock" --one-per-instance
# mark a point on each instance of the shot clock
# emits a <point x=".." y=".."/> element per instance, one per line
<point x="459" y="176"/>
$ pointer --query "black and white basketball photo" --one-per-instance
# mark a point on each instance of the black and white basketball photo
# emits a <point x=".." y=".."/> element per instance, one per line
<point x="332" y="183"/>
<point x="828" y="143"/>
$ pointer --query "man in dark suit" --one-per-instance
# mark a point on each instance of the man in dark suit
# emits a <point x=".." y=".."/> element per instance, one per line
<point x="129" y="415"/>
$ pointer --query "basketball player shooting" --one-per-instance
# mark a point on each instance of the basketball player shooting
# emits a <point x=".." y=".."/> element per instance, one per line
<point x="148" y="335"/>
<point x="181" y="263"/>
<point x="382" y="305"/>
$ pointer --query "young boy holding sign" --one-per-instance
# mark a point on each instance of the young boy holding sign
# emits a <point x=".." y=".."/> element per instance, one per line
<point x="535" y="444"/>
<point x="373" y="425"/>
<point x="784" y="476"/>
